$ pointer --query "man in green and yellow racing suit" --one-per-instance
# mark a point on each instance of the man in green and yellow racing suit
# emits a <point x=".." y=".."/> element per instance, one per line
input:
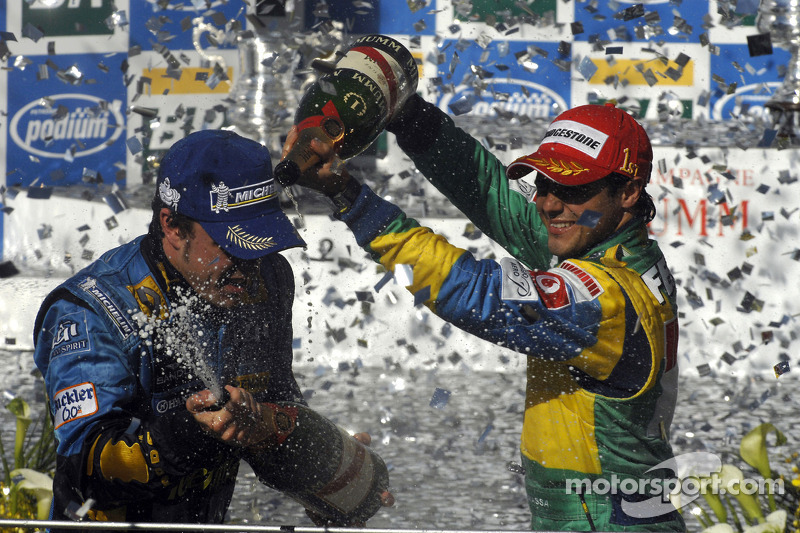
<point x="599" y="329"/>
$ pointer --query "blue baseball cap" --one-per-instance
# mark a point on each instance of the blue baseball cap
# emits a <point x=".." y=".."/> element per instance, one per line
<point x="223" y="181"/>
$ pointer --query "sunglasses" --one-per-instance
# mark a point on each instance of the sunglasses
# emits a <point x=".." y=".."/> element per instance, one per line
<point x="575" y="194"/>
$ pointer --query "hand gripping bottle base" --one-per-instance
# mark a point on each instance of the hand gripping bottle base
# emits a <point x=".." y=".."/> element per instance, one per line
<point x="302" y="157"/>
<point x="368" y="85"/>
<point x="321" y="466"/>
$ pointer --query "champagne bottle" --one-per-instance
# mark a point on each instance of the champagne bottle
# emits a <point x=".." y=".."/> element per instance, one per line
<point x="367" y="86"/>
<point x="321" y="466"/>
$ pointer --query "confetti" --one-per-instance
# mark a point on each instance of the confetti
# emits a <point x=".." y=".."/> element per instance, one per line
<point x="32" y="32"/>
<point x="759" y="45"/>
<point x="781" y="368"/>
<point x="387" y="277"/>
<point x="40" y="193"/>
<point x="416" y="5"/>
<point x="516" y="468"/>
<point x="89" y="175"/>
<point x="422" y="296"/>
<point x="45" y="232"/>
<point x="364" y="296"/>
<point x="589" y="218"/>
<point x="489" y="428"/>
<point x="767" y="138"/>
<point x="404" y="275"/>
<point x="471" y="232"/>
<point x="715" y="195"/>
<point x="147" y="112"/>
<point x="76" y="512"/>
<point x="111" y="223"/>
<point x="8" y="269"/>
<point x="587" y="68"/>
<point x="630" y="13"/>
<point x="440" y="398"/>
<point x="116" y="202"/>
<point x="462" y="106"/>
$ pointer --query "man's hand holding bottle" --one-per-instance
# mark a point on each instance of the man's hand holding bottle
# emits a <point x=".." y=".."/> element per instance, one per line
<point x="328" y="175"/>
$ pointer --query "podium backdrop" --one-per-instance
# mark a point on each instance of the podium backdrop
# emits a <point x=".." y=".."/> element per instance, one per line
<point x="72" y="69"/>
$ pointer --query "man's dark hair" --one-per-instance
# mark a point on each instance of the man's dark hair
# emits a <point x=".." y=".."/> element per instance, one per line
<point x="645" y="207"/>
<point x="176" y="220"/>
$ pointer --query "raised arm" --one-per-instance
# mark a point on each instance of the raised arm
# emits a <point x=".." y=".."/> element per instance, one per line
<point x="473" y="179"/>
<point x="565" y="314"/>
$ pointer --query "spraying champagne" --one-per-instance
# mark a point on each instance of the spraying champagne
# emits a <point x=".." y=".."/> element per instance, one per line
<point x="364" y="90"/>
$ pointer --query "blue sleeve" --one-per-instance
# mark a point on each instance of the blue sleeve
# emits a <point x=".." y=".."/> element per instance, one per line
<point x="465" y="291"/>
<point x="110" y="448"/>
<point x="87" y="374"/>
<point x="472" y="299"/>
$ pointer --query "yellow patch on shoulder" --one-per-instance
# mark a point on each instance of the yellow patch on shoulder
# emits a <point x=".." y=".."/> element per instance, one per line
<point x="149" y="297"/>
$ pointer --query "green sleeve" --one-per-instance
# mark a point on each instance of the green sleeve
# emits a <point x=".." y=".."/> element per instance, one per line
<point x="474" y="181"/>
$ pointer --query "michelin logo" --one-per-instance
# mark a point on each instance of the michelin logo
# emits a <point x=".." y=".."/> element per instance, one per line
<point x="120" y="320"/>
<point x="225" y="198"/>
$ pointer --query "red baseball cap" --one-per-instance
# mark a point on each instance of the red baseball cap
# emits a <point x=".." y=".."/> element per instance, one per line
<point x="587" y="143"/>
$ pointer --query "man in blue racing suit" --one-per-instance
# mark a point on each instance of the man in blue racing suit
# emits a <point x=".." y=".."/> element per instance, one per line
<point x="132" y="346"/>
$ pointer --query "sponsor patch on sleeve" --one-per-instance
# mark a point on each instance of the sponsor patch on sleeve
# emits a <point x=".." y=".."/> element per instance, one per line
<point x="70" y="336"/>
<point x="524" y="188"/>
<point x="523" y="285"/>
<point x="74" y="402"/>
<point x="552" y="290"/>
<point x="586" y="283"/>
<point x="120" y="318"/>
<point x="518" y="284"/>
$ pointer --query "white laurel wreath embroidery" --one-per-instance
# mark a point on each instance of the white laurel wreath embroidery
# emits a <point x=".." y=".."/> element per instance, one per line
<point x="242" y="239"/>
